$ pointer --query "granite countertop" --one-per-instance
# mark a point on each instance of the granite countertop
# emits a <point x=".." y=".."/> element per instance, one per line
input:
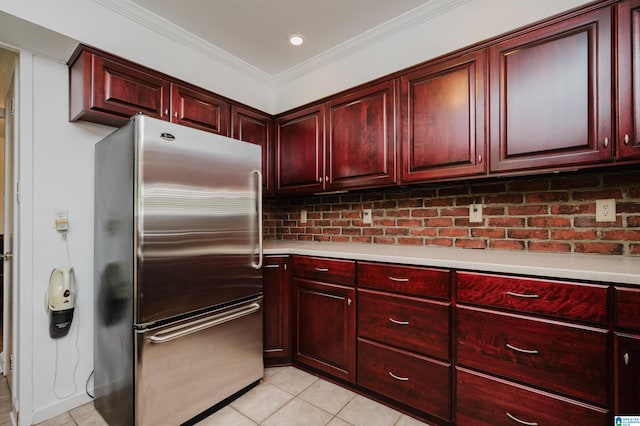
<point x="588" y="267"/>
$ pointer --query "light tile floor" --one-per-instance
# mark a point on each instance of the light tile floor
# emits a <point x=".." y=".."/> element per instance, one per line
<point x="286" y="397"/>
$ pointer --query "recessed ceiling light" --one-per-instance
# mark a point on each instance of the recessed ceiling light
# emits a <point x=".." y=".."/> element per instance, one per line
<point x="296" y="39"/>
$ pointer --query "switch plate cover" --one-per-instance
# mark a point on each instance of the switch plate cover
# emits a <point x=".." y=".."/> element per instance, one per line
<point x="475" y="213"/>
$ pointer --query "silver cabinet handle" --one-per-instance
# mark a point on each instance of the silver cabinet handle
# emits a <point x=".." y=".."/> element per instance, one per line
<point x="321" y="269"/>
<point x="606" y="142"/>
<point x="626" y="139"/>
<point x="348" y="301"/>
<point x="479" y="158"/>
<point x="524" y="351"/>
<point x="524" y="296"/>
<point x="6" y="256"/>
<point x="398" y="322"/>
<point x="399" y="280"/>
<point x="320" y="179"/>
<point x="522" y="422"/>
<point x="402" y="379"/>
<point x="181" y="331"/>
<point x="626" y="358"/>
<point x="166" y="112"/>
<point x="271" y="266"/>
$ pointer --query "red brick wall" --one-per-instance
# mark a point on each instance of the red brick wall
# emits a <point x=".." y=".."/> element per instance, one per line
<point x="548" y="213"/>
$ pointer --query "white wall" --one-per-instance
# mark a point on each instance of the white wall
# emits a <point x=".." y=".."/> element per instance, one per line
<point x="62" y="173"/>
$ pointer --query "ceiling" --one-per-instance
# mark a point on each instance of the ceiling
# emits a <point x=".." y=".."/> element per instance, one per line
<point x="256" y="31"/>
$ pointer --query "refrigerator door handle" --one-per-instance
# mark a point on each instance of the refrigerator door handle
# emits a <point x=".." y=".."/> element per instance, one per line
<point x="258" y="264"/>
<point x="181" y="331"/>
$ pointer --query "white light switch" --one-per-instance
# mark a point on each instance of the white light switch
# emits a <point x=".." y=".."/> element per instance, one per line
<point x="303" y="216"/>
<point x="367" y="216"/>
<point x="475" y="213"/>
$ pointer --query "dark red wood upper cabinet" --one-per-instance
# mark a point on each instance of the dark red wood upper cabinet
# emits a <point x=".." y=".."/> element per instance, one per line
<point x="250" y="126"/>
<point x="628" y="142"/>
<point x="361" y="138"/>
<point x="299" y="152"/>
<point x="551" y="96"/>
<point x="199" y="109"/>
<point x="108" y="91"/>
<point x="443" y="119"/>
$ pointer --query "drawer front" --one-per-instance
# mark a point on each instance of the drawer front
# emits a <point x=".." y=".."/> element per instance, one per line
<point x="419" y="382"/>
<point x="486" y="401"/>
<point x="628" y="308"/>
<point x="582" y="302"/>
<point x="553" y="355"/>
<point x="413" y="324"/>
<point x="411" y="280"/>
<point x="323" y="269"/>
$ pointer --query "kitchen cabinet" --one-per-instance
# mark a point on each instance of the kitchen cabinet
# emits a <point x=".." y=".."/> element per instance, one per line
<point x="325" y="315"/>
<point x="277" y="310"/>
<point x="252" y="126"/>
<point x="544" y="340"/>
<point x="107" y="90"/>
<point x="443" y="119"/>
<point x="360" y="131"/>
<point x="404" y="337"/>
<point x="299" y="163"/>
<point x="627" y="351"/>
<point x="551" y="95"/>
<point x="199" y="109"/>
<point x="628" y="140"/>
<point x="485" y="400"/>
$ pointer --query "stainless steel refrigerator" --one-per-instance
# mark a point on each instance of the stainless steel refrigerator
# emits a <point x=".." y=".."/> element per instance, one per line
<point x="178" y="280"/>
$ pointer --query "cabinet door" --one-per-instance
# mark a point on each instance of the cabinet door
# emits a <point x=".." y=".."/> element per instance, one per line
<point x="628" y="142"/>
<point x="109" y="92"/>
<point x="361" y="138"/>
<point x="325" y="318"/>
<point x="199" y="109"/>
<point x="627" y="374"/>
<point x="277" y="310"/>
<point x="250" y="126"/>
<point x="443" y="119"/>
<point x="550" y="99"/>
<point x="299" y="151"/>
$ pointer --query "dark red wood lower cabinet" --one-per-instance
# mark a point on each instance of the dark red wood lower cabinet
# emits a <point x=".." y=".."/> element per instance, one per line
<point x="487" y="401"/>
<point x="627" y="374"/>
<point x="277" y="310"/>
<point x="420" y="382"/>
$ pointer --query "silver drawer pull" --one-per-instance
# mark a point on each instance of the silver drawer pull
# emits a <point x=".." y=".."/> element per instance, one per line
<point x="402" y="379"/>
<point x="321" y="269"/>
<point x="626" y="358"/>
<point x="524" y="296"/>
<point x="399" y="280"/>
<point x="524" y="351"/>
<point x="522" y="422"/>
<point x="271" y="266"/>
<point x="398" y="322"/>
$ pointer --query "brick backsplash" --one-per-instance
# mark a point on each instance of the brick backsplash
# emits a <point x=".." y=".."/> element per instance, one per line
<point x="552" y="213"/>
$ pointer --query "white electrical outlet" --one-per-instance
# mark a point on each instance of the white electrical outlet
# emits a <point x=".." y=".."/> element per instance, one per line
<point x="367" y="216"/>
<point x="475" y="213"/>
<point x="606" y="210"/>
<point x="61" y="220"/>
<point x="303" y="216"/>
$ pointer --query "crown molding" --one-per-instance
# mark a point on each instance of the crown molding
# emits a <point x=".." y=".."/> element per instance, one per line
<point x="376" y="34"/>
<point x="160" y="25"/>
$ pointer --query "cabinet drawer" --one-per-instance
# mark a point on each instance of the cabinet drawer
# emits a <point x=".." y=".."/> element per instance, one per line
<point x="411" y="280"/>
<point x="410" y="379"/>
<point x="583" y="302"/>
<point x="487" y="401"/>
<point x="323" y="269"/>
<point x="554" y="355"/>
<point x="628" y="308"/>
<point x="414" y="324"/>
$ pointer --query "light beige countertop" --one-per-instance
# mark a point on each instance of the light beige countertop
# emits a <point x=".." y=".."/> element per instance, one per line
<point x="588" y="267"/>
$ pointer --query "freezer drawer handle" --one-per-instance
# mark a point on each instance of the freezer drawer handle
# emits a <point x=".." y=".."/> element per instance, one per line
<point x="177" y="332"/>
